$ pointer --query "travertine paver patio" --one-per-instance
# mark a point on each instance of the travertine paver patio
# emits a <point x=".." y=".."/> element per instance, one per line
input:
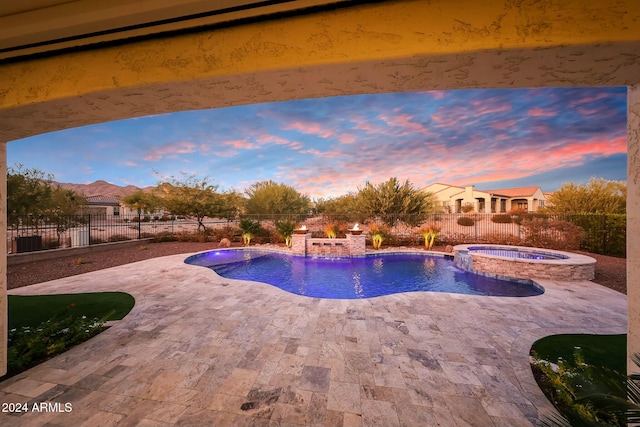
<point x="199" y="349"/>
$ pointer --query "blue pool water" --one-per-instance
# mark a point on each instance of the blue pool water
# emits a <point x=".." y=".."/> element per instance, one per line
<point x="351" y="278"/>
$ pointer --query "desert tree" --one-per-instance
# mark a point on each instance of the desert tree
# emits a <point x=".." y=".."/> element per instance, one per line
<point x="272" y="199"/>
<point x="391" y="200"/>
<point x="598" y="196"/>
<point x="141" y="201"/>
<point x="192" y="197"/>
<point x="32" y="195"/>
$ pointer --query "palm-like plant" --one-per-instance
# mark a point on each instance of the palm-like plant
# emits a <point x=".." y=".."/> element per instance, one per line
<point x="332" y="230"/>
<point x="378" y="234"/>
<point x="429" y="233"/>
<point x="592" y="397"/>
<point x="249" y="229"/>
<point x="285" y="229"/>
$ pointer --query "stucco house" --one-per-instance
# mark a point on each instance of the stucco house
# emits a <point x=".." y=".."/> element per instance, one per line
<point x="102" y="205"/>
<point x="112" y="206"/>
<point x="452" y="198"/>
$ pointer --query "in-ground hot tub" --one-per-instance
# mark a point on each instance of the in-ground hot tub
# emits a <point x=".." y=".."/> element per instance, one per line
<point x="519" y="262"/>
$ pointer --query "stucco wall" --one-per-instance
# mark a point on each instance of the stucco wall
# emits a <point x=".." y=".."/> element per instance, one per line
<point x="382" y="47"/>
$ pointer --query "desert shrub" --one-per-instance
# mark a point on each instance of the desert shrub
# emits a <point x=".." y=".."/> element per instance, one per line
<point x="118" y="238"/>
<point x="605" y="234"/>
<point x="501" y="239"/>
<point x="96" y="241"/>
<point x="455" y="239"/>
<point x="227" y="232"/>
<point x="404" y="239"/>
<point x="146" y="235"/>
<point x="184" y="236"/>
<point x="519" y="215"/>
<point x="466" y="208"/>
<point x="501" y="219"/>
<point x="552" y="234"/>
<point x="165" y="237"/>
<point x="466" y="221"/>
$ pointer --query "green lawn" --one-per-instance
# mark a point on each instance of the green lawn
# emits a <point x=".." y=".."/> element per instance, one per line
<point x="33" y="310"/>
<point x="599" y="350"/>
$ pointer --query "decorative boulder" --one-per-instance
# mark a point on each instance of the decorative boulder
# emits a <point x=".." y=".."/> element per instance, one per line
<point x="224" y="243"/>
<point x="448" y="249"/>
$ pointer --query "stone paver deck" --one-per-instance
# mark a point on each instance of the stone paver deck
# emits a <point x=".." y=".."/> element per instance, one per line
<point x="198" y="349"/>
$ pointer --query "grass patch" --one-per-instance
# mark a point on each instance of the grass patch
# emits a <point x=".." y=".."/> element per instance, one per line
<point x="33" y="310"/>
<point x="43" y="326"/>
<point x="609" y="351"/>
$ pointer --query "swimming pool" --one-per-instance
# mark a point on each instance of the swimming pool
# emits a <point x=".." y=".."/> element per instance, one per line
<point x="361" y="277"/>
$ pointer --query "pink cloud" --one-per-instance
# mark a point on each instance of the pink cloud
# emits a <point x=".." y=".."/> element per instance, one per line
<point x="587" y="100"/>
<point x="310" y="128"/>
<point x="266" y="138"/>
<point x="587" y="111"/>
<point x="323" y="154"/>
<point x="503" y="125"/>
<point x="449" y="117"/>
<point x="485" y="107"/>
<point x="241" y="144"/>
<point x="405" y="122"/>
<point x="347" y="138"/>
<point x="170" y="149"/>
<point x="539" y="112"/>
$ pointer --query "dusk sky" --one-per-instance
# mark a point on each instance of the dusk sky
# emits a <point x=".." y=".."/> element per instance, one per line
<point x="327" y="147"/>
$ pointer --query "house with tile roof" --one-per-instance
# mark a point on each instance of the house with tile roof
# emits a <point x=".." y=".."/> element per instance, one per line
<point x="102" y="205"/>
<point x="453" y="198"/>
<point x="112" y="206"/>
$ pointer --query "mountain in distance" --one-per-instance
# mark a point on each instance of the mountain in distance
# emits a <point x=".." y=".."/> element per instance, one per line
<point x="102" y="188"/>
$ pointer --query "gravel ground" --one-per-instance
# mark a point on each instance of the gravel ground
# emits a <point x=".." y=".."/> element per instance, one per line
<point x="610" y="271"/>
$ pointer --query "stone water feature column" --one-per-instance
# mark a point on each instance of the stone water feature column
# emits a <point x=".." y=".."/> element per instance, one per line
<point x="299" y="242"/>
<point x="356" y="244"/>
<point x="633" y="224"/>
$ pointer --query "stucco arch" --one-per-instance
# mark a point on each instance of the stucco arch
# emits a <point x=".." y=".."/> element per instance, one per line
<point x="389" y="46"/>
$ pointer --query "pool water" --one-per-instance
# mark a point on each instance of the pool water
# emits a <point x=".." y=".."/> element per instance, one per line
<point x="352" y="278"/>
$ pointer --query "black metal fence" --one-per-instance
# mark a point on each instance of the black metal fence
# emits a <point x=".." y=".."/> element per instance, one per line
<point x="32" y="234"/>
<point x="602" y="234"/>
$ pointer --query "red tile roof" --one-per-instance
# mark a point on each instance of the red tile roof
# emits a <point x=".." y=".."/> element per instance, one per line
<point x="514" y="192"/>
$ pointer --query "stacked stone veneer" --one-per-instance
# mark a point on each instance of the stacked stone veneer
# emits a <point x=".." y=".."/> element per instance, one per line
<point x="575" y="268"/>
<point x="305" y="245"/>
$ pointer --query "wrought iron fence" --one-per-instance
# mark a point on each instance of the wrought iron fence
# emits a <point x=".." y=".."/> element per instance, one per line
<point x="602" y="234"/>
<point x="32" y="234"/>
